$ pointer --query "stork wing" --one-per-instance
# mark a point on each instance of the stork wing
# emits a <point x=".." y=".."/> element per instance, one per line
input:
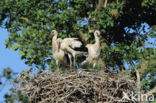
<point x="73" y="42"/>
<point x="71" y="39"/>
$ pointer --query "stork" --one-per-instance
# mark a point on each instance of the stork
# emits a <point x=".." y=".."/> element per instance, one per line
<point x="93" y="51"/>
<point x="73" y="46"/>
<point x="58" y="54"/>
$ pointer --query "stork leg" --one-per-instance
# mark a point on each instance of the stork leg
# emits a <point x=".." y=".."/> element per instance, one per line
<point x="74" y="61"/>
<point x="57" y="66"/>
<point x="95" y="62"/>
<point x="70" y="60"/>
<point x="84" y="62"/>
<point x="71" y="51"/>
<point x="94" y="65"/>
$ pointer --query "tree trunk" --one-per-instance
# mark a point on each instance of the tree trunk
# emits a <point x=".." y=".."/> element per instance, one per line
<point x="99" y="5"/>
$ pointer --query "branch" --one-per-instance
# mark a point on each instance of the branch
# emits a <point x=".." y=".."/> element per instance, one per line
<point x="26" y="19"/>
<point x="143" y="66"/>
<point x="82" y="37"/>
<point x="138" y="82"/>
<point x="100" y="4"/>
<point x="151" y="92"/>
<point x="3" y="85"/>
<point x="105" y="3"/>
<point x="142" y="43"/>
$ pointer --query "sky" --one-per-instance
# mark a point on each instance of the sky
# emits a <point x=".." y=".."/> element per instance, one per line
<point x="9" y="58"/>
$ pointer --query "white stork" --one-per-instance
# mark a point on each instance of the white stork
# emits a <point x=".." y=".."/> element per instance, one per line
<point x="93" y="51"/>
<point x="58" y="54"/>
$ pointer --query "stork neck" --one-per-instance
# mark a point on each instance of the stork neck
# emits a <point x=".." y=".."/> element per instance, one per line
<point x="97" y="41"/>
<point x="54" y="43"/>
<point x="54" y="38"/>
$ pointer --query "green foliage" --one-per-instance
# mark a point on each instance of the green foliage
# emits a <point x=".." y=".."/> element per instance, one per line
<point x="8" y="76"/>
<point x="15" y="96"/>
<point x="30" y="23"/>
<point x="148" y="76"/>
<point x="7" y="73"/>
<point x="122" y="23"/>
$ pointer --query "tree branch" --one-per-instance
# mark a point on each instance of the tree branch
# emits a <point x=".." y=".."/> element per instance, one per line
<point x="99" y="5"/>
<point x="143" y="66"/>
<point x="82" y="37"/>
<point x="138" y="82"/>
<point x="151" y="92"/>
<point x="105" y="3"/>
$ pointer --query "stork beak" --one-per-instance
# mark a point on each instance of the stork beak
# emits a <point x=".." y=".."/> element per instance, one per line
<point x="99" y="36"/>
<point x="50" y="36"/>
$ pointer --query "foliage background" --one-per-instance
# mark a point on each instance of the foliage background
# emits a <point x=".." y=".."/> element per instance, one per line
<point x="125" y="25"/>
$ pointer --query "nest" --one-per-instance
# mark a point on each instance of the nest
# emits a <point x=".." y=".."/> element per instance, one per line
<point x="76" y="87"/>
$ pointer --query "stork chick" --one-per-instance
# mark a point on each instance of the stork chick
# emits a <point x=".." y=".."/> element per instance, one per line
<point x="72" y="46"/>
<point x="58" y="54"/>
<point x="93" y="51"/>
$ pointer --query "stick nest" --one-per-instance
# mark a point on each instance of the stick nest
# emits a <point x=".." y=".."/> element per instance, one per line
<point x="76" y="87"/>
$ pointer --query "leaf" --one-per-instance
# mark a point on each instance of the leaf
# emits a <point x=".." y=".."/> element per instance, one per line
<point x="28" y="55"/>
<point x="21" y="53"/>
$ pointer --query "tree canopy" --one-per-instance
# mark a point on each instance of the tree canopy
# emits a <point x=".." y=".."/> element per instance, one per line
<point x="125" y="25"/>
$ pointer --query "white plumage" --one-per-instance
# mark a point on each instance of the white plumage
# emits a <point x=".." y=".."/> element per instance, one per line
<point x="93" y="51"/>
<point x="68" y="45"/>
<point x="58" y="54"/>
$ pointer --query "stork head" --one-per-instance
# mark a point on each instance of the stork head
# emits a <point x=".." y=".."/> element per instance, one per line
<point x="53" y="32"/>
<point x="97" y="33"/>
